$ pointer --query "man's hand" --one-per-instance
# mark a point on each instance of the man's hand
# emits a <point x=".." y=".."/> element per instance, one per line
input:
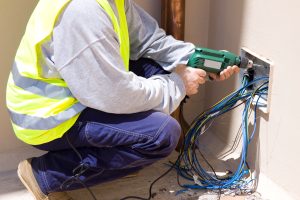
<point x="225" y="74"/>
<point x="192" y="78"/>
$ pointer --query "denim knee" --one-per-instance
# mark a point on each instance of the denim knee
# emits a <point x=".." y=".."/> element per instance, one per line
<point x="172" y="133"/>
<point x="167" y="138"/>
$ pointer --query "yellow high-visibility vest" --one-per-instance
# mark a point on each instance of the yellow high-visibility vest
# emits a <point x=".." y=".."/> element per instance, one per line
<point x="43" y="109"/>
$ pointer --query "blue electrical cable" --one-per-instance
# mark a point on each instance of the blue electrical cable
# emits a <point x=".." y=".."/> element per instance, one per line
<point x="188" y="164"/>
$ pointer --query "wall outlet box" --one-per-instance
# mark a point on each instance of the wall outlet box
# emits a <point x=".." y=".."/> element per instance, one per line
<point x="266" y="70"/>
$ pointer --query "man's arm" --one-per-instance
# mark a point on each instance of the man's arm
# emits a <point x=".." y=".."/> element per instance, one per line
<point x="148" y="40"/>
<point x="86" y="52"/>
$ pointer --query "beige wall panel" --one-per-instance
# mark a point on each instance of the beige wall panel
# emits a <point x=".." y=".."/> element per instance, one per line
<point x="151" y="6"/>
<point x="197" y="22"/>
<point x="196" y="31"/>
<point x="271" y="28"/>
<point x="13" y="18"/>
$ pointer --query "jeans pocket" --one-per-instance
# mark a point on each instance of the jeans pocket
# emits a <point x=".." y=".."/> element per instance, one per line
<point x="103" y="135"/>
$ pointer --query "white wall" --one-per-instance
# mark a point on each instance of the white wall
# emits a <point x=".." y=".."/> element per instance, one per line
<point x="271" y="28"/>
<point x="196" y="31"/>
<point x="13" y="17"/>
<point x="151" y="6"/>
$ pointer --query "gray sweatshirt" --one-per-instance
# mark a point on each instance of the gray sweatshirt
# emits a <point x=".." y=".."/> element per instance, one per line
<point x="84" y="51"/>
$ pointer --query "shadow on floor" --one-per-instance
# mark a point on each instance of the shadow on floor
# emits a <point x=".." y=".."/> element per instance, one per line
<point x="165" y="189"/>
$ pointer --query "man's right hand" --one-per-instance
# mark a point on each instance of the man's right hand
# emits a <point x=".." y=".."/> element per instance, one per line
<point x="192" y="78"/>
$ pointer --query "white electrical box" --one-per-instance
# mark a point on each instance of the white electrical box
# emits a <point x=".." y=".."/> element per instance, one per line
<point x="265" y="69"/>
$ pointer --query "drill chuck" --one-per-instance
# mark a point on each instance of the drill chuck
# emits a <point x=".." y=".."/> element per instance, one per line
<point x="245" y="63"/>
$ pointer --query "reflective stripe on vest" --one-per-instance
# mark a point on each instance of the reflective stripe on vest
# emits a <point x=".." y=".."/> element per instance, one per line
<point x="31" y="122"/>
<point x="43" y="109"/>
<point x="41" y="88"/>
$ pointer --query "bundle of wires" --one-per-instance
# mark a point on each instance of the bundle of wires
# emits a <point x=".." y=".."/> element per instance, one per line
<point x="189" y="165"/>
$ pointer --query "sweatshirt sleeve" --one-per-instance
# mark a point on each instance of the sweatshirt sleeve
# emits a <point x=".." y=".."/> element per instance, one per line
<point x="148" y="40"/>
<point x="87" y="56"/>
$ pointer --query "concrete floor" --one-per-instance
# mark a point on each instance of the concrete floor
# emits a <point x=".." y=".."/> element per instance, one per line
<point x="12" y="189"/>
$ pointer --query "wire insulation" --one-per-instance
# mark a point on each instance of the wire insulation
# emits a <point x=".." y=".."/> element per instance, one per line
<point x="189" y="165"/>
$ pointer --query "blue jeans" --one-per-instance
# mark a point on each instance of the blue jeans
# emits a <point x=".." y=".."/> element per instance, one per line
<point x="104" y="146"/>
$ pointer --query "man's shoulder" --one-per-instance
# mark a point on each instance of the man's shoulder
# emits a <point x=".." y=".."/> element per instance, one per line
<point x="83" y="13"/>
<point x="85" y="9"/>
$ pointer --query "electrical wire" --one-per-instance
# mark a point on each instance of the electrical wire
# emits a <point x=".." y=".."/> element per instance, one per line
<point x="77" y="172"/>
<point x="189" y="166"/>
<point x="182" y="120"/>
<point x="150" y="188"/>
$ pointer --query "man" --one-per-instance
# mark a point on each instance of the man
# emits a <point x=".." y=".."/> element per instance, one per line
<point x="73" y="92"/>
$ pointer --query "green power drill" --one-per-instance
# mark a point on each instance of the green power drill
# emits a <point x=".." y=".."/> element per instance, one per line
<point x="215" y="60"/>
